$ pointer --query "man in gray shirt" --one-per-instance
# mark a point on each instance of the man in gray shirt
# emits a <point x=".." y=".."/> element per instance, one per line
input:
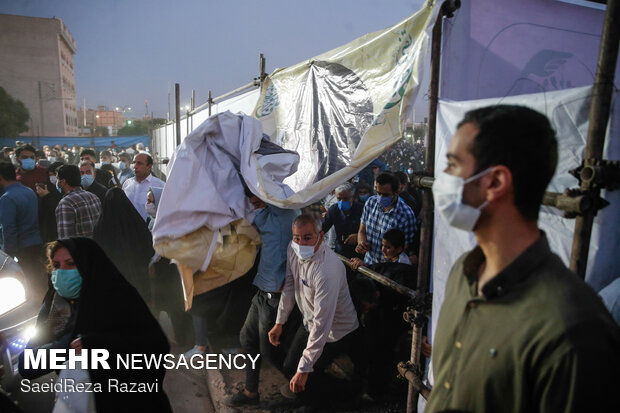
<point x="316" y="281"/>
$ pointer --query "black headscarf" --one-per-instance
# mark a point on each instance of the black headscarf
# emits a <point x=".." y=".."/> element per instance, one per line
<point x="126" y="239"/>
<point x="113" y="316"/>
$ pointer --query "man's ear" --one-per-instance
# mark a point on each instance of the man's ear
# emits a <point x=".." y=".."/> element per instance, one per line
<point x="499" y="183"/>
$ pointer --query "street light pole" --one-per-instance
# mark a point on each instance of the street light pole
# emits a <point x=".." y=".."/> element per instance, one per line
<point x="42" y="131"/>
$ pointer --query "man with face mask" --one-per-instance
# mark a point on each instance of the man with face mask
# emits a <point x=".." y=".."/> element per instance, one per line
<point x="28" y="172"/>
<point x="316" y="281"/>
<point x="124" y="165"/>
<point x="78" y="210"/>
<point x="518" y="331"/>
<point x="382" y="212"/>
<point x="87" y="179"/>
<point x="274" y="226"/>
<point x="345" y="217"/>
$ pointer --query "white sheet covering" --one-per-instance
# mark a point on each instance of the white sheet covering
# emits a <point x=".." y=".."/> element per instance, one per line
<point x="204" y="186"/>
<point x="568" y="111"/>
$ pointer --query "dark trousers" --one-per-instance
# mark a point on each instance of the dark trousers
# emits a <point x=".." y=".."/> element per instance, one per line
<point x="319" y="383"/>
<point x="253" y="336"/>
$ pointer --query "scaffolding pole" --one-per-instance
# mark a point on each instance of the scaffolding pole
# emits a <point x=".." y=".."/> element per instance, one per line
<point x="590" y="183"/>
<point x="177" y="110"/>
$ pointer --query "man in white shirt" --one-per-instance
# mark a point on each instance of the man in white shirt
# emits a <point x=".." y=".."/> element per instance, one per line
<point x="316" y="281"/>
<point x="136" y="188"/>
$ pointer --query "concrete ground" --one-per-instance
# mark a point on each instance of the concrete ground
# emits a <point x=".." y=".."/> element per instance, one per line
<point x="225" y="382"/>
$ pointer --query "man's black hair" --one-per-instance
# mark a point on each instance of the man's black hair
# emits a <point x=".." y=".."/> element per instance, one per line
<point x="247" y="191"/>
<point x="522" y="140"/>
<point x="39" y="154"/>
<point x="364" y="185"/>
<point x="7" y="171"/>
<point x="395" y="237"/>
<point x="402" y="177"/>
<point x="388" y="178"/>
<point x="25" y="147"/>
<point x="149" y="159"/>
<point x="70" y="173"/>
<point x="54" y="166"/>
<point x="88" y="152"/>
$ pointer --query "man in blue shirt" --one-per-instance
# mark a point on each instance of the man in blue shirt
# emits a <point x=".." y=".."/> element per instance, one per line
<point x="275" y="228"/>
<point x="382" y="212"/>
<point x="19" y="221"/>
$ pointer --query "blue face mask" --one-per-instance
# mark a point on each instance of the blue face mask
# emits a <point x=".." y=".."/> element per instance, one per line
<point x="27" y="164"/>
<point x="87" y="180"/>
<point x="344" y="205"/>
<point x="68" y="283"/>
<point x="386" y="201"/>
<point x="122" y="166"/>
<point x="364" y="198"/>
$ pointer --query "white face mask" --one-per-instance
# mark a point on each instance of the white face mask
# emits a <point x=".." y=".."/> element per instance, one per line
<point x="151" y="209"/>
<point x="53" y="179"/>
<point x="305" y="252"/>
<point x="448" y="197"/>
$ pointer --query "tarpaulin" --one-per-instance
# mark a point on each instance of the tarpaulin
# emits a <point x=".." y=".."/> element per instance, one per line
<point x="506" y="48"/>
<point x="568" y="111"/>
<point x="343" y="108"/>
<point x="203" y="218"/>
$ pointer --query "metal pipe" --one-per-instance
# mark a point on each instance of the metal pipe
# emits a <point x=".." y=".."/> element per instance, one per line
<point x="261" y="70"/>
<point x="599" y="116"/>
<point x="426" y="230"/>
<point x="222" y="97"/>
<point x="193" y="105"/>
<point x="177" y="104"/>
<point x="209" y="102"/>
<point x="413" y="379"/>
<point x="382" y="279"/>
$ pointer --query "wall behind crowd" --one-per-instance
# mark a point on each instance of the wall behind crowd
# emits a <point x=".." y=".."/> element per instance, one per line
<point x="100" y="143"/>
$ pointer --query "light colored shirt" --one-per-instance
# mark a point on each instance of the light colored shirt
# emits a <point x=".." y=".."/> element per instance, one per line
<point x="319" y="286"/>
<point x="275" y="227"/>
<point x="402" y="259"/>
<point x="137" y="192"/>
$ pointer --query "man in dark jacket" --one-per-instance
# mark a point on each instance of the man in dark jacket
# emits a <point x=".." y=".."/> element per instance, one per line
<point x="87" y="171"/>
<point x="345" y="216"/>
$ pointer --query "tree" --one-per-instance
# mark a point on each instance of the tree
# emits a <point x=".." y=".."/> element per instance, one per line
<point x="141" y="127"/>
<point x="13" y="116"/>
<point x="102" y="131"/>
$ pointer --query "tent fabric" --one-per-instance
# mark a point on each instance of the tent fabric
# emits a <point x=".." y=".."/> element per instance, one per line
<point x="204" y="193"/>
<point x="233" y="253"/>
<point x="568" y="111"/>
<point x="525" y="46"/>
<point x="343" y="108"/>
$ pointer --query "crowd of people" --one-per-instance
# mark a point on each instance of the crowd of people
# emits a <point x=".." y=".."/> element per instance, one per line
<point x="517" y="331"/>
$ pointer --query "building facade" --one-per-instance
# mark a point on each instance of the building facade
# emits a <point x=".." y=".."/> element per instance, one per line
<point x="90" y="119"/>
<point x="37" y="68"/>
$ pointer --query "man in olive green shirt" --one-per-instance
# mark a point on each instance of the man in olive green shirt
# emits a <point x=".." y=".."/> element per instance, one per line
<point x="518" y="332"/>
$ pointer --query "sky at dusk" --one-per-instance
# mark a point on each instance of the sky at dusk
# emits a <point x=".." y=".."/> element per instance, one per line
<point x="132" y="50"/>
